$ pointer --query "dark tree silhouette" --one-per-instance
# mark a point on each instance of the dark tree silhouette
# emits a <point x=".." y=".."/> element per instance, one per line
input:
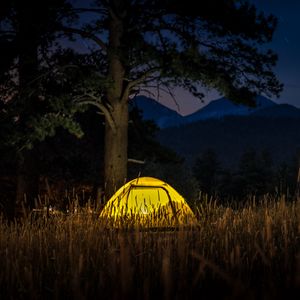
<point x="255" y="173"/>
<point x="141" y="44"/>
<point x="206" y="170"/>
<point x="216" y="44"/>
<point x="27" y="31"/>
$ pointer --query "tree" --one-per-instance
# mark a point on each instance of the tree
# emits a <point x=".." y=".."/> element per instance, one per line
<point x="141" y="44"/>
<point x="26" y="33"/>
<point x="287" y="177"/>
<point x="166" y="43"/>
<point x="206" y="170"/>
<point x="255" y="173"/>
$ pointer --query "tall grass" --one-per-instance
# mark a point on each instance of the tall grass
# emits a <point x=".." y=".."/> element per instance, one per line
<point x="251" y="252"/>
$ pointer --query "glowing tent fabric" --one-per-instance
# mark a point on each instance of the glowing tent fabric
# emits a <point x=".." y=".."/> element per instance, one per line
<point x="147" y="202"/>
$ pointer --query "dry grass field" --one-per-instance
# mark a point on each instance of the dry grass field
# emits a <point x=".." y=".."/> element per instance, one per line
<point x="251" y="252"/>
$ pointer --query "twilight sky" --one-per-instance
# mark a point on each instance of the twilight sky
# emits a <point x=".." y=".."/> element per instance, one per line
<point x="286" y="43"/>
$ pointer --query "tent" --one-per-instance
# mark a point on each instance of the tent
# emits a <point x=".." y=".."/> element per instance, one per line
<point x="147" y="202"/>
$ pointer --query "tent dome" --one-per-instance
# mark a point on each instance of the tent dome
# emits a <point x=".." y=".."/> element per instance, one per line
<point x="147" y="202"/>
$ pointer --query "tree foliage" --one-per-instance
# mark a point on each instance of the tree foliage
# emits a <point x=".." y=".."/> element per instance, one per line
<point x="216" y="44"/>
<point x="168" y="44"/>
<point x="135" y="45"/>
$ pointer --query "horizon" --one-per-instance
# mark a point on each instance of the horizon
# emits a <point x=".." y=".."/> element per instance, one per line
<point x="170" y="103"/>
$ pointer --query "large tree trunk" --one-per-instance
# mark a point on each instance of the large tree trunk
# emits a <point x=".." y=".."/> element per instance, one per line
<point x="115" y="156"/>
<point x="116" y="125"/>
<point x="27" y="37"/>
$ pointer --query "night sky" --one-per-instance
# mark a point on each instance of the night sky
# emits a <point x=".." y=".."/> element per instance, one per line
<point x="286" y="43"/>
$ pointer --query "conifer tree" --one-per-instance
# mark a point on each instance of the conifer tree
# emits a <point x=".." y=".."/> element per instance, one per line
<point x="216" y="44"/>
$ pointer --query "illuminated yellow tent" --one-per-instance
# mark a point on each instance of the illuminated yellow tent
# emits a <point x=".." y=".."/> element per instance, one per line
<point x="147" y="202"/>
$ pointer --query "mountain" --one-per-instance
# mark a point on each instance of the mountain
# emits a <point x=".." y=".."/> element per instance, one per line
<point x="228" y="129"/>
<point x="223" y="107"/>
<point x="165" y="117"/>
<point x="153" y="110"/>
<point x="278" y="111"/>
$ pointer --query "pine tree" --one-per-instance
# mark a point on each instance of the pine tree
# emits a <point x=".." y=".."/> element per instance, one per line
<point x="216" y="44"/>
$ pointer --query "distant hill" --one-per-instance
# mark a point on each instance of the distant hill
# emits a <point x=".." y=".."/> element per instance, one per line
<point x="153" y="110"/>
<point x="223" y="107"/>
<point x="227" y="128"/>
<point x="217" y="109"/>
<point x="278" y="111"/>
<point x="231" y="136"/>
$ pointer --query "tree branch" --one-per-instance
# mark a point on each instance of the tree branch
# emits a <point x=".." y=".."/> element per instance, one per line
<point x="85" y="34"/>
<point x="136" y="161"/>
<point x="139" y="80"/>
<point x="83" y="100"/>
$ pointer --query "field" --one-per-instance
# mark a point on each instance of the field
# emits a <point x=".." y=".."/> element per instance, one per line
<point x="251" y="252"/>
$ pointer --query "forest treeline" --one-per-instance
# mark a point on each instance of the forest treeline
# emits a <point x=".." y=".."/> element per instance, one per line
<point x="238" y="156"/>
<point x="230" y="136"/>
<point x="255" y="174"/>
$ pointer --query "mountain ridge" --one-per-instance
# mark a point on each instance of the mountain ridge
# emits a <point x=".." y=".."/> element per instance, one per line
<point x="219" y="108"/>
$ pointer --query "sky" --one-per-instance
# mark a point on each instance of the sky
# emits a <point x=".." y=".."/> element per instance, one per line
<point x="286" y="43"/>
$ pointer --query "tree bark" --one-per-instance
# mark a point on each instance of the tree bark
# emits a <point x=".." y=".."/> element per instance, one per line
<point x="115" y="155"/>
<point x="116" y="134"/>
